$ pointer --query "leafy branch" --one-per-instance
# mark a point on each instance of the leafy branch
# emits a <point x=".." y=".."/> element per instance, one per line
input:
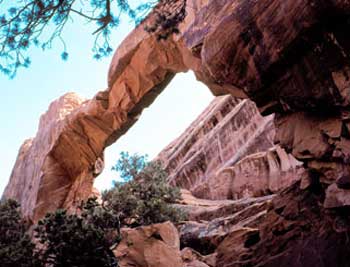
<point x="26" y="23"/>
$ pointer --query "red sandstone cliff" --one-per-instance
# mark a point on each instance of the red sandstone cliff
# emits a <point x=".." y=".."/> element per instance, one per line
<point x="228" y="153"/>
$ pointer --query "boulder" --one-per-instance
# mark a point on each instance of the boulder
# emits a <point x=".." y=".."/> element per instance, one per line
<point x="192" y="258"/>
<point x="156" y="245"/>
<point x="336" y="197"/>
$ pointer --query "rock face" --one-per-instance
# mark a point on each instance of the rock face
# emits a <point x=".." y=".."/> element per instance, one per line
<point x="210" y="222"/>
<point x="297" y="231"/>
<point x="227" y="130"/>
<point x="289" y="56"/>
<point x="38" y="181"/>
<point x="291" y="228"/>
<point x="192" y="258"/>
<point x="151" y="246"/>
<point x="260" y="174"/>
<point x="217" y="156"/>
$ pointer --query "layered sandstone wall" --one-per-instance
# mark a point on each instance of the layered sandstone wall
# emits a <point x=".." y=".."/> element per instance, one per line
<point x="224" y="153"/>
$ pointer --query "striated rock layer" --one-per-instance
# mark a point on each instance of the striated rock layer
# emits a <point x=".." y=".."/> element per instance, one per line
<point x="289" y="56"/>
<point x="296" y="231"/>
<point x="211" y="221"/>
<point x="222" y="155"/>
<point x="291" y="228"/>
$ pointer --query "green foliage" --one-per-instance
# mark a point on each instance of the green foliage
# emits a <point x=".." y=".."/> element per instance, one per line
<point x="64" y="239"/>
<point x="145" y="197"/>
<point x="130" y="166"/>
<point x="79" y="240"/>
<point x="84" y="239"/>
<point x="40" y="23"/>
<point x="16" y="248"/>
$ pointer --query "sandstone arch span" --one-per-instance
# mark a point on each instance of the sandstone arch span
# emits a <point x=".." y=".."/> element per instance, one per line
<point x="289" y="56"/>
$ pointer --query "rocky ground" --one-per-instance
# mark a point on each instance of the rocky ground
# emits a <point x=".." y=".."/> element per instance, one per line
<point x="196" y="242"/>
<point x="291" y="228"/>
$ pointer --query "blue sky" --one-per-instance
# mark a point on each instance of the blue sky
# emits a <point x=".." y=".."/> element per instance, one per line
<point x="28" y="95"/>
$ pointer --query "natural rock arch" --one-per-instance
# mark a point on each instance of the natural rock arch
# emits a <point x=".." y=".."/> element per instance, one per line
<point x="289" y="56"/>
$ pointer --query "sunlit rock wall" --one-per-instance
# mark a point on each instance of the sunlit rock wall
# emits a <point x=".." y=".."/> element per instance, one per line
<point x="228" y="152"/>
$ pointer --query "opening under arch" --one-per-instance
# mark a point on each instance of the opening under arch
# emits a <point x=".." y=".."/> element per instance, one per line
<point x="168" y="116"/>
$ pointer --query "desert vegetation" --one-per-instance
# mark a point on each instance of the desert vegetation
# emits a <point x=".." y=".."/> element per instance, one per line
<point x="143" y="196"/>
<point x="84" y="238"/>
<point x="16" y="247"/>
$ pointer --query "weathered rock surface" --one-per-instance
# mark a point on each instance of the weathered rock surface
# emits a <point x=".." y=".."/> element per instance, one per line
<point x="216" y="157"/>
<point x="226" y="131"/>
<point x="192" y="258"/>
<point x="289" y="56"/>
<point x="70" y="150"/>
<point x="210" y="221"/>
<point x="260" y="174"/>
<point x="336" y="197"/>
<point x="207" y="210"/>
<point x="38" y="181"/>
<point x="156" y="245"/>
<point x="297" y="231"/>
<point x="291" y="228"/>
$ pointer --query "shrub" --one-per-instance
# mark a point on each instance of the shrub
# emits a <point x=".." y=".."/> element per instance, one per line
<point x="78" y="240"/>
<point x="16" y="248"/>
<point x="144" y="197"/>
<point x="130" y="166"/>
<point x="84" y="239"/>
